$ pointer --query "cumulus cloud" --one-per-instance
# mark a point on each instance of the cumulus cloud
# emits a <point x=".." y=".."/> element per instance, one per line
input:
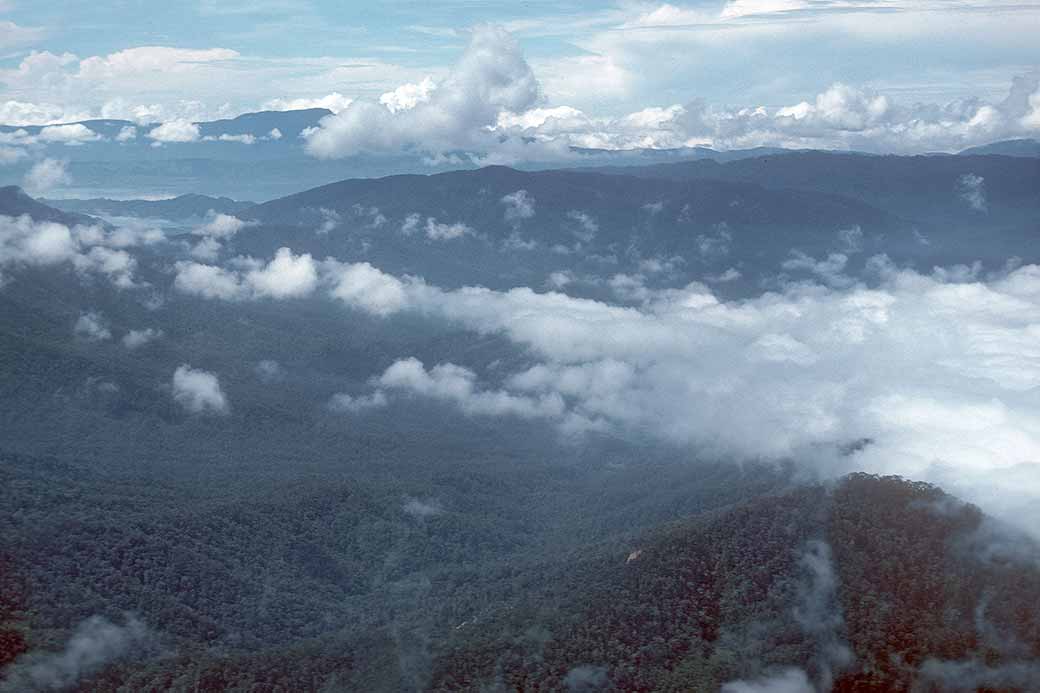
<point x="198" y="391"/>
<point x="364" y="286"/>
<point x="134" y="339"/>
<point x="73" y="134"/>
<point x="285" y="276"/>
<point x="216" y="228"/>
<point x="92" y="327"/>
<point x="179" y="130"/>
<point x="220" y="226"/>
<point x="89" y="249"/>
<point x="490" y="77"/>
<point x="449" y="382"/>
<point x="47" y="174"/>
<point x="94" y="644"/>
<point x="408" y="96"/>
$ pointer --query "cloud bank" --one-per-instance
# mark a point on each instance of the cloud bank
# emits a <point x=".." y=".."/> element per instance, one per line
<point x="96" y="643"/>
<point x="928" y="376"/>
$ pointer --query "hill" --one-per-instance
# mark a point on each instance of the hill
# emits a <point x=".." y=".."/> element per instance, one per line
<point x="14" y="202"/>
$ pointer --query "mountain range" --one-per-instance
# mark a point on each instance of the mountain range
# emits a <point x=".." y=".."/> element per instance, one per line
<point x="284" y="528"/>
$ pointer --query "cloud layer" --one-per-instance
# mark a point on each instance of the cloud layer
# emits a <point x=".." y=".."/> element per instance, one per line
<point x="930" y="376"/>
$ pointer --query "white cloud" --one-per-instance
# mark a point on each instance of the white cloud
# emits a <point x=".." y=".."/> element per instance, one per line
<point x="364" y="286"/>
<point x="135" y="339"/>
<point x="218" y="225"/>
<point x="588" y="227"/>
<point x="118" y="265"/>
<point x="179" y="130"/>
<point x="519" y="206"/>
<point x="25" y="242"/>
<point x="95" y="643"/>
<point x="47" y="174"/>
<point x="330" y="220"/>
<point x="334" y="102"/>
<point x="436" y="231"/>
<point x="74" y="134"/>
<point x="241" y="139"/>
<point x="935" y="371"/>
<point x="972" y="190"/>
<point x="126" y="134"/>
<point x="208" y="281"/>
<point x="411" y="224"/>
<point x="408" y="96"/>
<point x="14" y="112"/>
<point x="490" y="77"/>
<point x="198" y="391"/>
<point x="207" y="250"/>
<point x="830" y="270"/>
<point x="285" y="276"/>
<point x="456" y="384"/>
<point x="92" y="327"/>
<point x="937" y="374"/>
<point x="840" y="117"/>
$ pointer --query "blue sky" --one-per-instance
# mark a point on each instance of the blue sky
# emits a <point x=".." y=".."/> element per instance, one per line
<point x="198" y="60"/>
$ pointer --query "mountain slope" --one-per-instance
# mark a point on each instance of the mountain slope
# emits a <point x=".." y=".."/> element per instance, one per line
<point x="880" y="584"/>
<point x="14" y="202"/>
<point x="515" y="227"/>
<point x="918" y="187"/>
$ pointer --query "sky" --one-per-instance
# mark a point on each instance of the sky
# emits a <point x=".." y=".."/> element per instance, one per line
<point x="870" y="74"/>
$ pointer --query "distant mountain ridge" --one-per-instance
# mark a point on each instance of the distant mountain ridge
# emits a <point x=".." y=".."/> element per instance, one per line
<point x="15" y="202"/>
<point x="190" y="206"/>
<point x="1022" y="147"/>
<point x="289" y="123"/>
<point x="262" y="155"/>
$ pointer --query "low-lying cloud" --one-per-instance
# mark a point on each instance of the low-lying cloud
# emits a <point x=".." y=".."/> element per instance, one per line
<point x="96" y="643"/>
<point x="938" y="371"/>
<point x="90" y="250"/>
<point x="199" y="391"/>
